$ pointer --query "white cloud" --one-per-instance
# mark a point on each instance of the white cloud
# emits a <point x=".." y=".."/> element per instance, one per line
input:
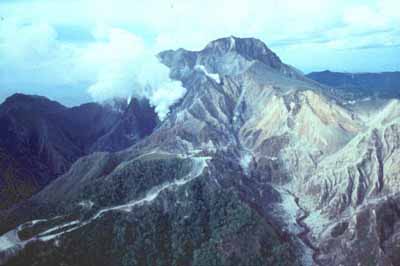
<point x="128" y="68"/>
<point x="363" y="16"/>
<point x="117" y="64"/>
<point x="126" y="35"/>
<point x="193" y="23"/>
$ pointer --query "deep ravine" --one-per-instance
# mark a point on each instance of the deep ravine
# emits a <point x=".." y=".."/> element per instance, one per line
<point x="303" y="235"/>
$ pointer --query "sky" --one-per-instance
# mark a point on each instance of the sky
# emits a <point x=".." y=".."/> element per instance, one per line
<point x="77" y="51"/>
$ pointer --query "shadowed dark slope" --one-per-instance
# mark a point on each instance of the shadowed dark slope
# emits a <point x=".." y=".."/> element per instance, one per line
<point x="40" y="139"/>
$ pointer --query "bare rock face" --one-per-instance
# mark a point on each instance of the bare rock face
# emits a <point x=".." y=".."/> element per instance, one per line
<point x="289" y="131"/>
<point x="369" y="236"/>
<point x="183" y="190"/>
<point x="367" y="167"/>
<point x="227" y="56"/>
<point x="255" y="165"/>
<point x="357" y="188"/>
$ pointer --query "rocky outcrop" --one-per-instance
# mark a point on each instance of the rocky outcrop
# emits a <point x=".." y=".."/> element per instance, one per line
<point x="255" y="165"/>
<point x="369" y="236"/>
<point x="223" y="217"/>
<point x="334" y="156"/>
<point x="366" y="167"/>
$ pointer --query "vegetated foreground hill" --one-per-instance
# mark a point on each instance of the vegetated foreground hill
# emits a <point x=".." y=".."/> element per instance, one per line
<point x="256" y="165"/>
<point x="40" y="139"/>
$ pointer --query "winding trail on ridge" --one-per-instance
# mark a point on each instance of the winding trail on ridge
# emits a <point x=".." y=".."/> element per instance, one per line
<point x="10" y="242"/>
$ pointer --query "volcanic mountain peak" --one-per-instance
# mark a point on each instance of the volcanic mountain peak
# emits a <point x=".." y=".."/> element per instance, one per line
<point x="249" y="48"/>
<point x="260" y="128"/>
<point x="240" y="93"/>
<point x="226" y="56"/>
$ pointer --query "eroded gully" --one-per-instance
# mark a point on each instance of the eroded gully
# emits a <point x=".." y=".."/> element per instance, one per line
<point x="303" y="235"/>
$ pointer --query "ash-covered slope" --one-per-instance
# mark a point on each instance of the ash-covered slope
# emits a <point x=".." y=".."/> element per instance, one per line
<point x="40" y="139"/>
<point x="357" y="188"/>
<point x="218" y="216"/>
<point x="290" y="131"/>
<point x="243" y="171"/>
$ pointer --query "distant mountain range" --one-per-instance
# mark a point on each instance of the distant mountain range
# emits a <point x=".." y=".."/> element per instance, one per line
<point x="40" y="138"/>
<point x="256" y="165"/>
<point x="361" y="85"/>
